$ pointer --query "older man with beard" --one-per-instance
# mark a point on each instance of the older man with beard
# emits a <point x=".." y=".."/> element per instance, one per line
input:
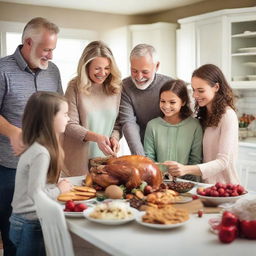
<point x="140" y="96"/>
<point x="21" y="74"/>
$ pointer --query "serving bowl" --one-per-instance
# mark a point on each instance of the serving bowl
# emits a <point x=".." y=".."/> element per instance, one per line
<point x="215" y="201"/>
<point x="180" y="186"/>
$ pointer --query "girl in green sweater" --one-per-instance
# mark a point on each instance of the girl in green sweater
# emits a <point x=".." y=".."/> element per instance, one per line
<point x="176" y="135"/>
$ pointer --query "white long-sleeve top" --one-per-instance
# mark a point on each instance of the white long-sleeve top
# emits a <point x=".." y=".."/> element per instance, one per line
<point x="31" y="175"/>
<point x="220" y="149"/>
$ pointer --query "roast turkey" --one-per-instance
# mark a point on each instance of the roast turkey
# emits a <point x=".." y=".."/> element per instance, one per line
<point x="129" y="170"/>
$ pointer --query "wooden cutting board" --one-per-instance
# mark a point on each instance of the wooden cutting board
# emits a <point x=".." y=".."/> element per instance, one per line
<point x="195" y="205"/>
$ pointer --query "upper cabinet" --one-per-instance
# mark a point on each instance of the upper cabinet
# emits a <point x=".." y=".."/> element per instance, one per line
<point x="162" y="36"/>
<point x="243" y="52"/>
<point x="225" y="38"/>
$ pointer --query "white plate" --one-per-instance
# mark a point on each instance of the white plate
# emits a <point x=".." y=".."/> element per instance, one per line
<point x="88" y="201"/>
<point x="87" y="212"/>
<point x="249" y="49"/>
<point x="184" y="199"/>
<point x="158" y="226"/>
<point x="215" y="201"/>
<point x="72" y="214"/>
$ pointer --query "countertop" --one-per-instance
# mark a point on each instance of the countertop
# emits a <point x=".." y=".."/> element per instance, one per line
<point x="194" y="238"/>
<point x="248" y="142"/>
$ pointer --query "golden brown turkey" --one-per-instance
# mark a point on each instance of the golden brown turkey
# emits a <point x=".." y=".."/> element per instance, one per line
<point x="129" y="170"/>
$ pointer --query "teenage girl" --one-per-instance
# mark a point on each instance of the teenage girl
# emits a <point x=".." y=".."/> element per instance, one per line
<point x="44" y="120"/>
<point x="176" y="135"/>
<point x="216" y="111"/>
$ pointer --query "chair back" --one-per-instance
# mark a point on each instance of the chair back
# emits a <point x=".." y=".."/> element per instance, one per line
<point x="57" y="239"/>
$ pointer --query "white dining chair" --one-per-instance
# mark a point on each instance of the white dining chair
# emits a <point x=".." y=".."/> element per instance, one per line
<point x="55" y="232"/>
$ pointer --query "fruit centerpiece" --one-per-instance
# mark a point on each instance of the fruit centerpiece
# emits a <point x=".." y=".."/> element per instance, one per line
<point x="221" y="193"/>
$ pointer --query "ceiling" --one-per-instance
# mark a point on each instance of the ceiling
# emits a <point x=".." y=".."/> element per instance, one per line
<point x="128" y="7"/>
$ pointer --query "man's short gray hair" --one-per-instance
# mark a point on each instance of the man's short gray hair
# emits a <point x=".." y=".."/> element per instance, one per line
<point x="143" y="50"/>
<point x="35" y="26"/>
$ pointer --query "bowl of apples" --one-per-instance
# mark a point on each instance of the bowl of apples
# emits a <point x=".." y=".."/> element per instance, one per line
<point x="220" y="193"/>
<point x="74" y="209"/>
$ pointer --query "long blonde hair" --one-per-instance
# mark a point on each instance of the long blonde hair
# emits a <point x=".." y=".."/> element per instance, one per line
<point x="112" y="85"/>
<point x="38" y="126"/>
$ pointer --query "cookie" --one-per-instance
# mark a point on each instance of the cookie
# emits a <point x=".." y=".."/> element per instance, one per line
<point x="84" y="189"/>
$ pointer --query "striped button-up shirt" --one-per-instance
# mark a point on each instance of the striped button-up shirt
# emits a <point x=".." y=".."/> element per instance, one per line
<point x="17" y="83"/>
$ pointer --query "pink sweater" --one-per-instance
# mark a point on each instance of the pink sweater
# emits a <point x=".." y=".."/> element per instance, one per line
<point x="220" y="148"/>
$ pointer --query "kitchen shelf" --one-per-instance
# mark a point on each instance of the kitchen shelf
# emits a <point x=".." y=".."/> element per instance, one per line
<point x="243" y="54"/>
<point x="245" y="35"/>
<point x="243" y="85"/>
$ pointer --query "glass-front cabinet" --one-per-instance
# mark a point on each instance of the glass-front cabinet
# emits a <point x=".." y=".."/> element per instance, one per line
<point x="226" y="38"/>
<point x="243" y="53"/>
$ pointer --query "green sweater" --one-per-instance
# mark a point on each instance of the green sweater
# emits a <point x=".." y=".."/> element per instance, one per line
<point x="181" y="142"/>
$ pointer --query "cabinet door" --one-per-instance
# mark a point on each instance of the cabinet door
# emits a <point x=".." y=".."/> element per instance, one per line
<point x="246" y="167"/>
<point x="209" y="44"/>
<point x="186" y="51"/>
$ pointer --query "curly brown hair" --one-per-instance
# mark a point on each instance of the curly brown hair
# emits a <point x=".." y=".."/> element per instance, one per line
<point x="224" y="96"/>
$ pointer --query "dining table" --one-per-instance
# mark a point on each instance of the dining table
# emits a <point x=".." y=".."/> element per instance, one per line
<point x="133" y="239"/>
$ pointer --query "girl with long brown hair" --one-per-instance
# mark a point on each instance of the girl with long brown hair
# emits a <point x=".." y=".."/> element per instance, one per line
<point x="216" y="112"/>
<point x="44" y="120"/>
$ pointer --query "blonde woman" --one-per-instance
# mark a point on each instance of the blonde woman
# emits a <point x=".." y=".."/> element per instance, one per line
<point x="94" y="98"/>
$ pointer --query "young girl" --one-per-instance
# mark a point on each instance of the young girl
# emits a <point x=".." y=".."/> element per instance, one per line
<point x="176" y="135"/>
<point x="215" y="110"/>
<point x="45" y="118"/>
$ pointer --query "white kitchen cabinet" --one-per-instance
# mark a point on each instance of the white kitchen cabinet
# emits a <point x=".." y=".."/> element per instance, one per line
<point x="246" y="165"/>
<point x="162" y="36"/>
<point x="226" y="38"/>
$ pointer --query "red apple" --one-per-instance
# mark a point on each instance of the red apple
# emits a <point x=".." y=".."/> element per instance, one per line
<point x="229" y="219"/>
<point x="248" y="228"/>
<point x="227" y="234"/>
<point x="80" y="207"/>
<point x="70" y="205"/>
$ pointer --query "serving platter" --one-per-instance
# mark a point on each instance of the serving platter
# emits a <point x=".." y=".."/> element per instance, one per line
<point x="87" y="212"/>
<point x="184" y="199"/>
<point x="158" y="226"/>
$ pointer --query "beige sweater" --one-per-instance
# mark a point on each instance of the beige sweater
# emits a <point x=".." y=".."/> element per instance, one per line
<point x="96" y="112"/>
<point x="220" y="148"/>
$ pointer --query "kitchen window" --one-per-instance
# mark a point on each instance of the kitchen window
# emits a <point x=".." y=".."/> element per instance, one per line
<point x="70" y="45"/>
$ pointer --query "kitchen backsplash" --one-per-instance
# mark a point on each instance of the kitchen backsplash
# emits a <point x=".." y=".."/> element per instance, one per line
<point x="246" y="102"/>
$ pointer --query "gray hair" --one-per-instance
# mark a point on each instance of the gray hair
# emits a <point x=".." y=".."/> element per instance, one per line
<point x="35" y="26"/>
<point x="143" y="50"/>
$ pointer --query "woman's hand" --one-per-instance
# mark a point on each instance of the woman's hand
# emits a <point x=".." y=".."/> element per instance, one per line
<point x="64" y="186"/>
<point x="175" y="169"/>
<point x="103" y="142"/>
<point x="114" y="144"/>
<point x="104" y="145"/>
